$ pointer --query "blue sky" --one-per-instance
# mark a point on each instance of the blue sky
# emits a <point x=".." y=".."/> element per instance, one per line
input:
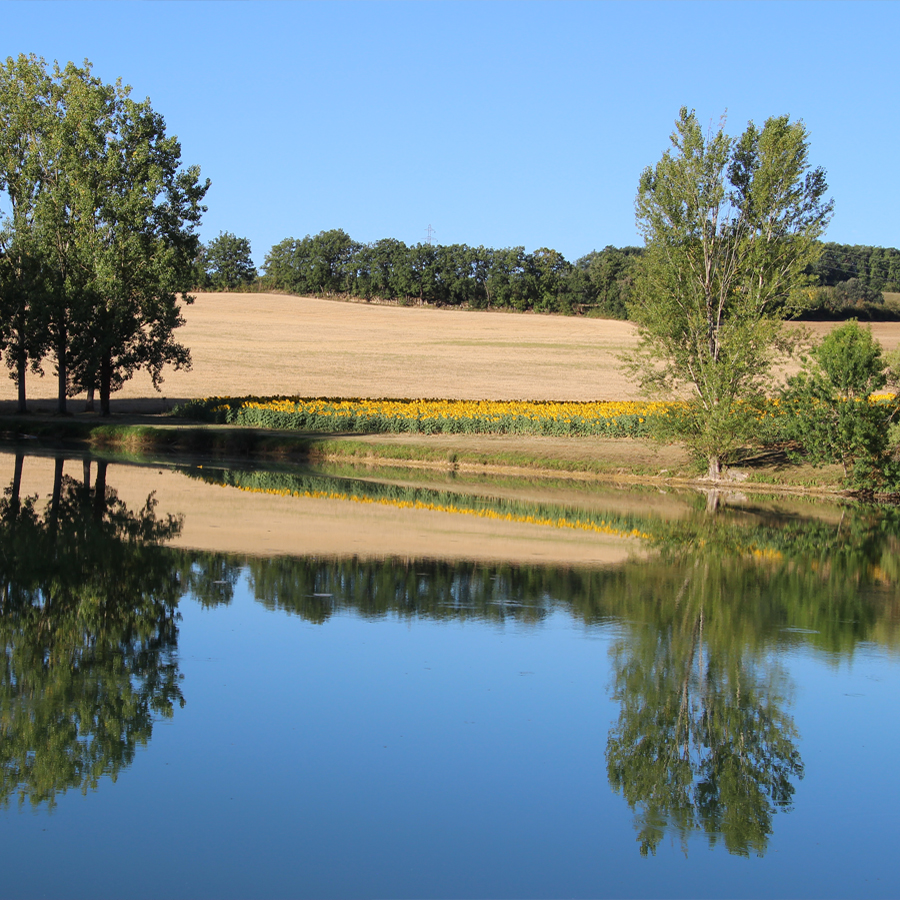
<point x="501" y="124"/>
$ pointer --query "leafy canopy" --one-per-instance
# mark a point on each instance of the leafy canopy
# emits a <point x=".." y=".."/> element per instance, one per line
<point x="831" y="411"/>
<point x="228" y="263"/>
<point x="730" y="227"/>
<point x="99" y="237"/>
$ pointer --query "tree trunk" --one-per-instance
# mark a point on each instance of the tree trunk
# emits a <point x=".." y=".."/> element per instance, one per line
<point x="105" y="381"/>
<point x="100" y="491"/>
<point x="62" y="379"/>
<point x="714" y="471"/>
<point x="89" y="403"/>
<point x="16" y="486"/>
<point x="57" y="496"/>
<point x="21" y="369"/>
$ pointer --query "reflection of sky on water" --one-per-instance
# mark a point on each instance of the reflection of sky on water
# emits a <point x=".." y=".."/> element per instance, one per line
<point x="384" y="751"/>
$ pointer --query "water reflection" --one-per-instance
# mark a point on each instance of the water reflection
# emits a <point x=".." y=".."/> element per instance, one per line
<point x="88" y="624"/>
<point x="404" y="496"/>
<point x="703" y="743"/>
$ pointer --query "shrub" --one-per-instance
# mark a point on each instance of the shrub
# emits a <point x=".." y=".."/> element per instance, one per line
<point x="835" y="413"/>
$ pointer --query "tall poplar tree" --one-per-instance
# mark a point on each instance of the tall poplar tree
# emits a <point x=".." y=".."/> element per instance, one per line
<point x="142" y="246"/>
<point x="730" y="227"/>
<point x="71" y="151"/>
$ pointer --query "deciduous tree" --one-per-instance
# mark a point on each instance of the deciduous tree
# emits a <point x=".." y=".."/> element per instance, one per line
<point x="106" y="215"/>
<point x="24" y="111"/>
<point x="730" y="227"/>
<point x="830" y="410"/>
<point x="229" y="264"/>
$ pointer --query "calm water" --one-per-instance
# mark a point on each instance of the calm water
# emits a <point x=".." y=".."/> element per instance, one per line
<point x="717" y="717"/>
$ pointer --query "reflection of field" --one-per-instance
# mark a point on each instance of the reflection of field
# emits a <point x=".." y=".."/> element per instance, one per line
<point x="228" y="520"/>
<point x="317" y="486"/>
<point x="335" y="513"/>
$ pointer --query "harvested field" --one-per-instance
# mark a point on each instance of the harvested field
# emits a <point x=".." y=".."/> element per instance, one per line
<point x="270" y="344"/>
<point x="887" y="333"/>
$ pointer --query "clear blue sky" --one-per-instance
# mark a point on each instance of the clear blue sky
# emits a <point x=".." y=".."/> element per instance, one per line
<point x="500" y="124"/>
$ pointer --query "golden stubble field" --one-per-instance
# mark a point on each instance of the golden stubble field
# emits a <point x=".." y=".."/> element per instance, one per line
<point x="269" y="344"/>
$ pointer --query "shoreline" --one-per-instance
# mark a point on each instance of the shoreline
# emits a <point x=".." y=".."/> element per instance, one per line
<point x="624" y="461"/>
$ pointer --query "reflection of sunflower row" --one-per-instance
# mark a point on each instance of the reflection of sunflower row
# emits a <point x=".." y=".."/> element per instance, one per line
<point x="559" y="522"/>
<point x="400" y="497"/>
<point x="766" y="543"/>
<point x="609" y="418"/>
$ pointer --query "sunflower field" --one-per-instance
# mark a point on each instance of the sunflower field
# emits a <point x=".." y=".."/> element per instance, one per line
<point x="604" y="418"/>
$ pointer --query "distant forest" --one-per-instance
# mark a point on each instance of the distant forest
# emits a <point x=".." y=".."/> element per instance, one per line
<point x="847" y="280"/>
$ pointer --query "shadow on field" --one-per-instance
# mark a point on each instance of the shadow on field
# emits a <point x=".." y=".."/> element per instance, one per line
<point x="117" y="406"/>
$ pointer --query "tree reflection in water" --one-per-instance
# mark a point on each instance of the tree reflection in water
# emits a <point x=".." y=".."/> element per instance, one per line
<point x="702" y="741"/>
<point x="88" y="623"/>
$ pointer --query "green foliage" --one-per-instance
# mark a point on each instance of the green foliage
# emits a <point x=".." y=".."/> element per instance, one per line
<point x="227" y="263"/>
<point x="88" y="630"/>
<point x="830" y="413"/>
<point x="702" y="741"/>
<point x="730" y="226"/>
<point x="100" y="241"/>
<point x="323" y="264"/>
<point x="875" y="269"/>
<point x="611" y="273"/>
<point x="712" y="431"/>
<point x="850" y="298"/>
<point x="452" y="275"/>
<point x="24" y="333"/>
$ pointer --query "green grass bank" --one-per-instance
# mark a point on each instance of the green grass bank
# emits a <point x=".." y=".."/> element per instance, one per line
<point x="611" y="459"/>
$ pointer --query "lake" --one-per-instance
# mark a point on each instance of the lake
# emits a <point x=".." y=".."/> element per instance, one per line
<point x="234" y="681"/>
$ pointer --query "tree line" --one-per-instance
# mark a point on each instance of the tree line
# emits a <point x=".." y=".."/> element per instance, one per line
<point x="852" y="280"/>
<point x="97" y="236"/>
<point x="878" y="268"/>
<point x="845" y="279"/>
<point x="332" y="263"/>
